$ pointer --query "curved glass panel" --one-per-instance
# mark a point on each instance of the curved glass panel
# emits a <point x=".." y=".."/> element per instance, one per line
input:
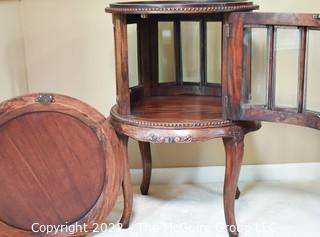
<point x="133" y="55"/>
<point x="190" y="43"/>
<point x="287" y="67"/>
<point x="214" y="52"/>
<point x="166" y="52"/>
<point x="313" y="72"/>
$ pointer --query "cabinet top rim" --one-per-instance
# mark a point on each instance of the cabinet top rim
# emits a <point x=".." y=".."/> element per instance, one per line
<point x="180" y="7"/>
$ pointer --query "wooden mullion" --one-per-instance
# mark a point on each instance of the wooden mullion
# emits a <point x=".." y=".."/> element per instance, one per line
<point x="154" y="54"/>
<point x="144" y="52"/>
<point x="225" y="31"/>
<point x="178" y="52"/>
<point x="272" y="34"/>
<point x="302" y="69"/>
<point x="140" y="52"/>
<point x="203" y="52"/>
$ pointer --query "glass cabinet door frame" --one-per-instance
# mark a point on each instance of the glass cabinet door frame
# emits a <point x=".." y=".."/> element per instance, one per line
<point x="236" y="71"/>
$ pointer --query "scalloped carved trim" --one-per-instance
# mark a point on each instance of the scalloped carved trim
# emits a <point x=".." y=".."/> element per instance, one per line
<point x="192" y="124"/>
<point x="153" y="138"/>
<point x="180" y="9"/>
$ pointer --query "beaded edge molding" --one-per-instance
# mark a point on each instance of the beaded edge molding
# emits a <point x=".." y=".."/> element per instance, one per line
<point x="179" y="9"/>
<point x="191" y="124"/>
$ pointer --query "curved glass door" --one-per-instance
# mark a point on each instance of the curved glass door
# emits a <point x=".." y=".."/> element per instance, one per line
<point x="272" y="71"/>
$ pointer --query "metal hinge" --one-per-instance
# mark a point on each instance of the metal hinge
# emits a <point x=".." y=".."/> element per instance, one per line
<point x="226" y="107"/>
<point x="316" y="16"/>
<point x="144" y="16"/>
<point x="227" y="30"/>
<point x="226" y="101"/>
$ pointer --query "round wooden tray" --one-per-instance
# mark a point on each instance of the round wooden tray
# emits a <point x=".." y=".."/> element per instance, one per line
<point x="184" y="7"/>
<point x="57" y="166"/>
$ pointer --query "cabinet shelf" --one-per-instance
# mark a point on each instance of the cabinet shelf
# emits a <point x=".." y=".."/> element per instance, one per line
<point x="184" y="111"/>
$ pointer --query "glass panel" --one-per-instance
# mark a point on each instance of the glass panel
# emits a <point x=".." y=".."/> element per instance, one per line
<point x="166" y="52"/>
<point x="287" y="67"/>
<point x="190" y="43"/>
<point x="214" y="52"/>
<point x="133" y="55"/>
<point x="313" y="70"/>
<point x="256" y="64"/>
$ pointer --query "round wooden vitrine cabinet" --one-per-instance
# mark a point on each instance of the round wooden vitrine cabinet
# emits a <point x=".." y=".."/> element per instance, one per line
<point x="60" y="168"/>
<point x="176" y="97"/>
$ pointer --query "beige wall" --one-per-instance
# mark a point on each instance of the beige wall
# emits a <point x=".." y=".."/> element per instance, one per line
<point x="69" y="50"/>
<point x="12" y="58"/>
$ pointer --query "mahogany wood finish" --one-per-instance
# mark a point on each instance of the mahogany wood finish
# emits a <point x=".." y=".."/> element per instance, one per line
<point x="179" y="111"/>
<point x="58" y="165"/>
<point x="234" y="153"/>
<point x="145" y="150"/>
<point x="178" y="54"/>
<point x="271" y="67"/>
<point x="121" y="55"/>
<point x="126" y="183"/>
<point x="145" y="44"/>
<point x="302" y="69"/>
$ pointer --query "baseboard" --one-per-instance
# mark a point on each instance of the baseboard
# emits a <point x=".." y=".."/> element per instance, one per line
<point x="249" y="173"/>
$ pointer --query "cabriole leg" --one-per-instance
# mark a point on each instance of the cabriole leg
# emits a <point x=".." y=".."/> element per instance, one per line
<point x="126" y="184"/>
<point x="234" y="154"/>
<point x="145" y="151"/>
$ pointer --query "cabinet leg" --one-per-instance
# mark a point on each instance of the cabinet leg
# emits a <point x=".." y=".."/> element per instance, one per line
<point x="126" y="184"/>
<point x="145" y="151"/>
<point x="234" y="154"/>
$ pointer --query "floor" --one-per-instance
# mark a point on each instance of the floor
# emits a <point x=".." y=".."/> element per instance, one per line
<point x="276" y="209"/>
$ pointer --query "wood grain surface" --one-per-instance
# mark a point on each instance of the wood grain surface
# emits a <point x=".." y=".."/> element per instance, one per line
<point x="58" y="165"/>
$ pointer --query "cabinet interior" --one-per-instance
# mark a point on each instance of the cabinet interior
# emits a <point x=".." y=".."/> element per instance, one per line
<point x="269" y="59"/>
